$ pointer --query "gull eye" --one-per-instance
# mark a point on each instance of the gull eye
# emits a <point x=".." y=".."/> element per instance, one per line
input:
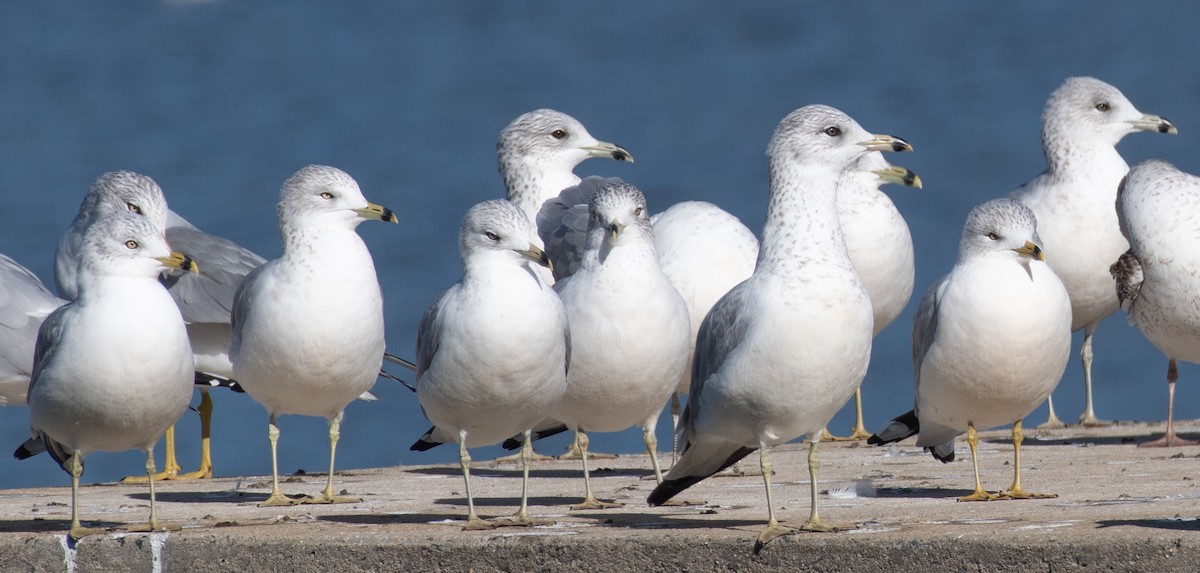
<point x="133" y="208"/>
<point x="558" y="134"/>
<point x="1102" y="106"/>
<point x="638" y="212"/>
<point x="131" y="244"/>
<point x="326" y="195"/>
<point x="491" y="236"/>
<point x="993" y="236"/>
<point x="833" y="131"/>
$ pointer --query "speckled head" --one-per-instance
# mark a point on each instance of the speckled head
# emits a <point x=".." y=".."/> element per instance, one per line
<point x="1088" y="110"/>
<point x="1001" y="225"/>
<point x="125" y="191"/>
<point x="618" y="207"/>
<point x="821" y="135"/>
<point x="499" y="226"/>
<point x="126" y="244"/>
<point x="552" y="138"/>
<point x="319" y="194"/>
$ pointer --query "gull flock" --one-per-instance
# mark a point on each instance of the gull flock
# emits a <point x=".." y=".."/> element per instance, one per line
<point x="579" y="309"/>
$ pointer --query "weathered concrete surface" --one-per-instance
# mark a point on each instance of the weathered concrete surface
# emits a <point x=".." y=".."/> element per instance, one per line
<point x="1120" y="508"/>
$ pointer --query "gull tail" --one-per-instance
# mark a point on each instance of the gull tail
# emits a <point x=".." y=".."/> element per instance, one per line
<point x="41" y="443"/>
<point x="211" y="380"/>
<point x="427" y="441"/>
<point x="401" y="361"/>
<point x="544" y="429"/>
<point x="906" y="425"/>
<point x="695" y="464"/>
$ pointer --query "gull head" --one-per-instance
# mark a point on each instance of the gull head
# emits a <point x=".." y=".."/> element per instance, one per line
<point x="617" y="210"/>
<point x="498" y="227"/>
<point x="124" y="191"/>
<point x="551" y="140"/>
<point x="819" y="135"/>
<point x="123" y="244"/>
<point x="1003" y="226"/>
<point x="1088" y="110"/>
<point x="323" y="196"/>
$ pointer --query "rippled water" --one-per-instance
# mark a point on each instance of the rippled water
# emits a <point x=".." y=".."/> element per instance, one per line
<point x="221" y="101"/>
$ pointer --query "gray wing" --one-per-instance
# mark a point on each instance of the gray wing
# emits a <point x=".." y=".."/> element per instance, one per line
<point x="429" y="333"/>
<point x="562" y="224"/>
<point x="24" y="304"/>
<point x="243" y="300"/>
<point x="721" y="331"/>
<point x="925" y="323"/>
<point x="49" y="334"/>
<point x="207" y="296"/>
<point x="66" y="262"/>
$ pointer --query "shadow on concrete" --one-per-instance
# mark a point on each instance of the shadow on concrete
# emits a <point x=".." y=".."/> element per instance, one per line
<point x="1080" y="441"/>
<point x="1165" y="523"/>
<point x="201" y="496"/>
<point x="51" y="525"/>
<point x="508" y="501"/>
<point x="922" y="492"/>
<point x="390" y="518"/>
<point x="534" y="473"/>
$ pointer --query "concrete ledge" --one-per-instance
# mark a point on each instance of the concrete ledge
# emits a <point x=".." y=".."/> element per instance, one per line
<point x="1120" y="508"/>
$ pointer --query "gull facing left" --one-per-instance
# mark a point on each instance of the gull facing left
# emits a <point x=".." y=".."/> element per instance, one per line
<point x="113" y="369"/>
<point x="308" y="326"/>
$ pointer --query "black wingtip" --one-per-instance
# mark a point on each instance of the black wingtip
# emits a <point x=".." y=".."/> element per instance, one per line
<point x="425" y="442"/>
<point x="671" y="487"/>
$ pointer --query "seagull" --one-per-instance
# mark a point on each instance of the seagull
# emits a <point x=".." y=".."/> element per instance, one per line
<point x="113" y="369"/>
<point x="308" y="326"/>
<point x="990" y="341"/>
<point x="779" y="354"/>
<point x="1073" y="200"/>
<point x="492" y="351"/>
<point x="1156" y="283"/>
<point x="879" y="245"/>
<point x="205" y="299"/>
<point x="629" y="329"/>
<point x="537" y="154"/>
<point x="24" y="303"/>
<point x="704" y="252"/>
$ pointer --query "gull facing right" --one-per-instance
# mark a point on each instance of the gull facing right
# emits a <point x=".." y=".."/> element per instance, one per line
<point x="990" y="341"/>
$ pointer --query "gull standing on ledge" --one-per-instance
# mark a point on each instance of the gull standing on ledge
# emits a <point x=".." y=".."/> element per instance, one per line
<point x="113" y="369"/>
<point x="205" y="299"/>
<point x="308" y="326"/>
<point x="990" y="341"/>
<point x="1157" y="206"/>
<point x="780" y="353"/>
<point x="1073" y="200"/>
<point x="492" y="351"/>
<point x="629" y="329"/>
<point x="879" y="245"/>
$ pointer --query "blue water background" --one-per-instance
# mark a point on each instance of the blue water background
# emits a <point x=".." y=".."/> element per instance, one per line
<point x="221" y="101"/>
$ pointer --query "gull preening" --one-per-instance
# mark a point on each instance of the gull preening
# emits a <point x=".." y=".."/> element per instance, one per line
<point x="1073" y="201"/>
<point x="308" y="326"/>
<point x="492" y="350"/>
<point x="779" y="354"/>
<point x="990" y="341"/>
<point x="113" y="369"/>
<point x="1156" y="279"/>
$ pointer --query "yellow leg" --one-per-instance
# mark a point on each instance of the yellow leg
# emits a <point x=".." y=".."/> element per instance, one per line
<point x="464" y="461"/>
<point x="170" y="465"/>
<point x="205" y="409"/>
<point x="589" y="500"/>
<point x="575" y="453"/>
<point x="1088" y="418"/>
<point x="774" y="529"/>
<point x="1052" y="422"/>
<point x="276" y="497"/>
<point x="75" y="468"/>
<point x="652" y="449"/>
<point x="521" y="518"/>
<point x="152" y="525"/>
<point x="979" y="494"/>
<point x="328" y="496"/>
<point x="859" y="433"/>
<point x="1015" y="491"/>
<point x="814" y="522"/>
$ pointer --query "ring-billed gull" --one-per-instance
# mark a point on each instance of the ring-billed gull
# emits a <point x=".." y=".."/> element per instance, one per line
<point x="113" y="369"/>
<point x="629" y="328"/>
<point x="204" y="299"/>
<point x="308" y="326"/>
<point x="990" y="340"/>
<point x="492" y="350"/>
<point x="24" y="304"/>
<point x="780" y="353"/>
<point x="879" y="245"/>
<point x="1156" y="279"/>
<point x="1073" y="200"/>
